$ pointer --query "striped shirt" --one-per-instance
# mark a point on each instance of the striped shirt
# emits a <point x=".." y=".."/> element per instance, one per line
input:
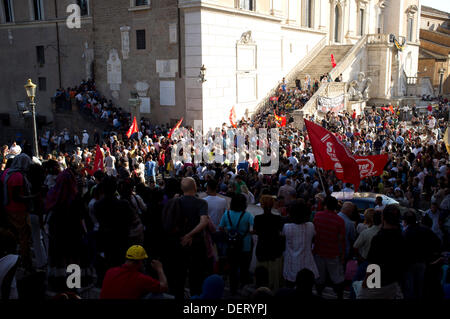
<point x="330" y="234"/>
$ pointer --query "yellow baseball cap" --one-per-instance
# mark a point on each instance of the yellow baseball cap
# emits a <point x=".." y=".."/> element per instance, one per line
<point x="136" y="252"/>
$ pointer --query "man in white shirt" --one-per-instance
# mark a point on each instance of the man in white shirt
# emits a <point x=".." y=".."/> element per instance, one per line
<point x="110" y="164"/>
<point x="216" y="205"/>
<point x="78" y="155"/>
<point x="15" y="149"/>
<point x="79" y="97"/>
<point x="293" y="160"/>
<point x="85" y="139"/>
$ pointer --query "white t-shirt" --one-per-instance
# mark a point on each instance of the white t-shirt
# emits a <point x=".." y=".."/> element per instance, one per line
<point x="16" y="150"/>
<point x="216" y="207"/>
<point x="109" y="161"/>
<point x="85" y="138"/>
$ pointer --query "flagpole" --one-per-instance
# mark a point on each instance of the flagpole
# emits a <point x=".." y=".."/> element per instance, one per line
<point x="321" y="181"/>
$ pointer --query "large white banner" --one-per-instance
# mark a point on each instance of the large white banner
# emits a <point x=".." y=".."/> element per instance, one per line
<point x="335" y="104"/>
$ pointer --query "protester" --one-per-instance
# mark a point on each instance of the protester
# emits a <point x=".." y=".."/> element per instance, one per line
<point x="329" y="246"/>
<point x="299" y="233"/>
<point x="182" y="230"/>
<point x="129" y="282"/>
<point x="388" y="251"/>
<point x="238" y="224"/>
<point x="270" y="244"/>
<point x="186" y="217"/>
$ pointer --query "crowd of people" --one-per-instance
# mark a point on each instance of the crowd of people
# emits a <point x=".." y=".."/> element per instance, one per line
<point x="146" y="225"/>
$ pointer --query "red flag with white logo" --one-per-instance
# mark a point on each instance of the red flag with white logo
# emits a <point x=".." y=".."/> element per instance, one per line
<point x="372" y="165"/>
<point x="331" y="154"/>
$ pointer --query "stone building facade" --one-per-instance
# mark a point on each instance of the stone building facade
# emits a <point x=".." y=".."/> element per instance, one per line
<point x="434" y="55"/>
<point x="157" y="47"/>
<point x="36" y="43"/>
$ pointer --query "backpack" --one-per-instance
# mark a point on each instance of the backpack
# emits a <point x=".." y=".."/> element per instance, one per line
<point x="173" y="221"/>
<point x="234" y="239"/>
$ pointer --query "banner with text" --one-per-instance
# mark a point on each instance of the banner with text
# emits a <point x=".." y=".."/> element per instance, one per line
<point x="335" y="104"/>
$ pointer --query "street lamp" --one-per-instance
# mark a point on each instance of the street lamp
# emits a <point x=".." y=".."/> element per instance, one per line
<point x="30" y="88"/>
<point x="134" y="102"/>
<point x="201" y="76"/>
<point x="441" y="79"/>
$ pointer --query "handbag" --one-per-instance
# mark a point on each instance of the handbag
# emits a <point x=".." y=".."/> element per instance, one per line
<point x="351" y="269"/>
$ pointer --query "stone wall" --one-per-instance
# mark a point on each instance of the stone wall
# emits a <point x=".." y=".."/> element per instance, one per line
<point x="158" y="62"/>
<point x="18" y="58"/>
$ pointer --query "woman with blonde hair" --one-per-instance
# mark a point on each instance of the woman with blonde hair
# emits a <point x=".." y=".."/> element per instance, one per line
<point x="368" y="220"/>
<point x="269" y="247"/>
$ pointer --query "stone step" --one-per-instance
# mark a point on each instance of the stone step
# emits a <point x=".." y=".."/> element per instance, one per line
<point x="321" y="64"/>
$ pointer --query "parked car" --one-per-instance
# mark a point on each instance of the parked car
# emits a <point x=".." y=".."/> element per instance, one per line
<point x="363" y="200"/>
<point x="367" y="200"/>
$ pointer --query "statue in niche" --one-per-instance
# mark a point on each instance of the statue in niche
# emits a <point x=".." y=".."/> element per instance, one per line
<point x="114" y="72"/>
<point x="88" y="56"/>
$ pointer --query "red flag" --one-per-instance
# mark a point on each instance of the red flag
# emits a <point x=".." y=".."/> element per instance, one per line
<point x="333" y="62"/>
<point x="133" y="128"/>
<point x="331" y="154"/>
<point x="372" y="165"/>
<point x="175" y="127"/>
<point x="274" y="98"/>
<point x="233" y="117"/>
<point x="391" y="108"/>
<point x="98" y="162"/>
<point x="281" y="119"/>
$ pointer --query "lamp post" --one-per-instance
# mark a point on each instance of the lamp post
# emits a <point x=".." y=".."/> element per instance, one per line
<point x="30" y="88"/>
<point x="441" y="79"/>
<point x="201" y="76"/>
<point x="134" y="102"/>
